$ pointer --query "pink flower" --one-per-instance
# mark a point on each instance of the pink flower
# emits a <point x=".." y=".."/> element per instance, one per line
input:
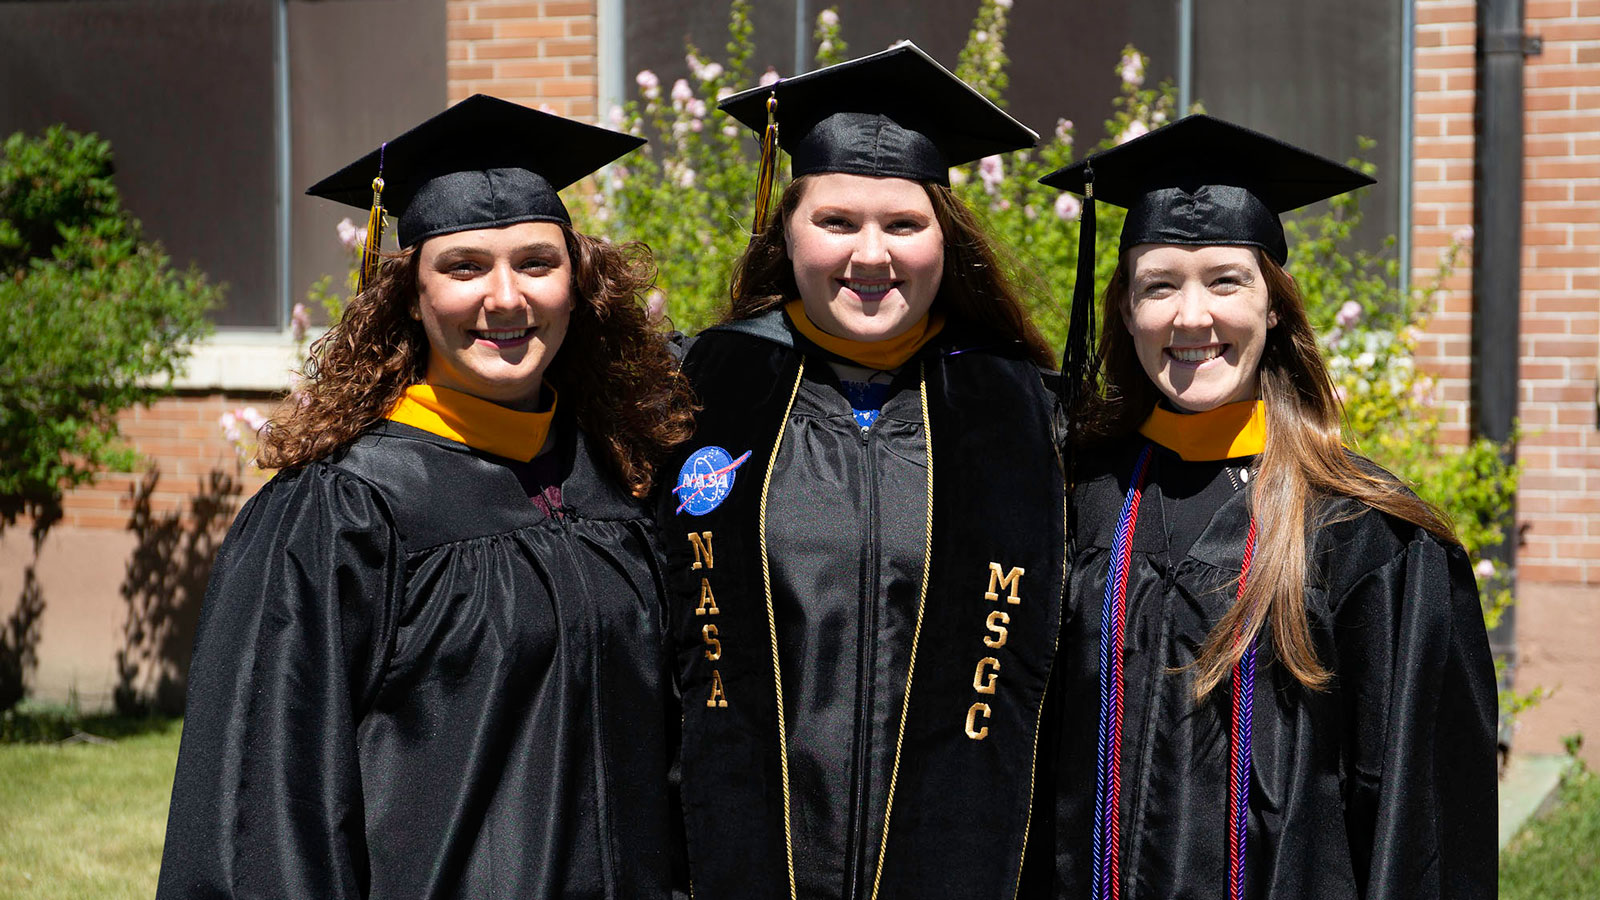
<point x="828" y="18"/>
<point x="1064" y="130"/>
<point x="686" y="178"/>
<point x="1484" y="568"/>
<point x="991" y="171"/>
<point x="649" y="84"/>
<point x="252" y="417"/>
<point x="229" y="423"/>
<point x="731" y="130"/>
<point x="1131" y="68"/>
<point x="769" y="77"/>
<point x="349" y="235"/>
<point x="1462" y="236"/>
<point x="980" y="36"/>
<point x="709" y="72"/>
<point x="1068" y="206"/>
<point x="697" y="108"/>
<point x="614" y="116"/>
<point x="724" y="93"/>
<point x="1003" y="4"/>
<point x="1341" y="393"/>
<point x="655" y="306"/>
<point x="1135" y="129"/>
<point x="299" y="322"/>
<point x="1349" y="314"/>
<point x="681" y="92"/>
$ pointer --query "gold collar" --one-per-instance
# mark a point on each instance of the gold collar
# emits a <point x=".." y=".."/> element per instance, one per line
<point x="478" y="423"/>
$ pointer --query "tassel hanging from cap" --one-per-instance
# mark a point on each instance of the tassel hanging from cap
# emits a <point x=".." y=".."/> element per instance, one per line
<point x="371" y="250"/>
<point x="769" y="165"/>
<point x="1077" y="366"/>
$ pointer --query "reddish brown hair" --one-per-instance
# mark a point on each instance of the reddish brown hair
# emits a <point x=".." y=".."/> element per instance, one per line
<point x="612" y="367"/>
<point x="1303" y="466"/>
<point x="975" y="286"/>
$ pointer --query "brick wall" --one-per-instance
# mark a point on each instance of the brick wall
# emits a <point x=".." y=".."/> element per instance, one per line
<point x="537" y="53"/>
<point x="1559" y="563"/>
<point x="1561" y="262"/>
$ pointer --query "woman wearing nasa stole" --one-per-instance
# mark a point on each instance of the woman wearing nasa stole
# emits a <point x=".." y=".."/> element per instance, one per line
<point x="1273" y="668"/>
<point x="865" y="541"/>
<point x="430" y="662"/>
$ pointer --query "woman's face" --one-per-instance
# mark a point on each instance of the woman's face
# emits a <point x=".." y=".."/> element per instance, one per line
<point x="868" y="254"/>
<point x="1199" y="317"/>
<point x="495" y="303"/>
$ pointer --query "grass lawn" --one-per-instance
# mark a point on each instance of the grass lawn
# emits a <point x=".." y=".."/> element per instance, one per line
<point x="1558" y="857"/>
<point x="85" y="820"/>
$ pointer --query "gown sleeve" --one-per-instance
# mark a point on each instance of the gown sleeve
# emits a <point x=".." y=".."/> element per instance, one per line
<point x="267" y="800"/>
<point x="1419" y="687"/>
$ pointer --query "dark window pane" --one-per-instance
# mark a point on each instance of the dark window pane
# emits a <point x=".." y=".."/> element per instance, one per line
<point x="1316" y="75"/>
<point x="361" y="71"/>
<point x="183" y="89"/>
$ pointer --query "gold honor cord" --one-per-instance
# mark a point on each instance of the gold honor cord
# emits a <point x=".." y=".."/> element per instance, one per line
<point x="916" y="634"/>
<point x="769" y="165"/>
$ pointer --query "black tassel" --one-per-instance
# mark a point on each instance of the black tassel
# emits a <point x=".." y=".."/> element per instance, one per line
<point x="1076" y="360"/>
<point x="766" y="174"/>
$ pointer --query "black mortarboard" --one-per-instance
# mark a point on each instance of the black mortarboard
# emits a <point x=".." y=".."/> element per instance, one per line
<point x="483" y="163"/>
<point x="1200" y="181"/>
<point x="897" y="113"/>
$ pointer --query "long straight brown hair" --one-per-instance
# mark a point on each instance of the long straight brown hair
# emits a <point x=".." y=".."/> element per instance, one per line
<point x="974" y="287"/>
<point x="1303" y="466"/>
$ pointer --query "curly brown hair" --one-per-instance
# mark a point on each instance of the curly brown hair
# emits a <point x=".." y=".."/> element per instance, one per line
<point x="613" y="367"/>
<point x="975" y="287"/>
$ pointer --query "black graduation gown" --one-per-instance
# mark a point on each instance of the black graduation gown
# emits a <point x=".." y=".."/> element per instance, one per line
<point x="866" y="589"/>
<point x="410" y="682"/>
<point x="1382" y="787"/>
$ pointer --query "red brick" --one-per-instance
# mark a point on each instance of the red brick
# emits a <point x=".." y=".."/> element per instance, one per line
<point x="569" y="7"/>
<point x="1428" y="82"/>
<point x="1552" y="527"/>
<point x="1548" y="145"/>
<point x="1445" y="104"/>
<point x="1547" y="9"/>
<point x="582" y="108"/>
<point x="1568" y="502"/>
<point x="580" y="27"/>
<point x="539" y="69"/>
<point x="1553" y="346"/>
<point x="1565" y="124"/>
<point x="536" y="29"/>
<point x="1435" y="13"/>
<point x="1564" y="76"/>
<point x="567" y="87"/>
<point x="1539" y="193"/>
<point x="465" y="71"/>
<point x="1575" y="415"/>
<point x="582" y="67"/>
<point x="1563" y="258"/>
<point x="1566" y="213"/>
<point x="458" y="50"/>
<point x="506" y="50"/>
<point x="1567" y="31"/>
<point x="1446" y="58"/>
<point x="470" y="31"/>
<point x="1546" y="100"/>
<point x="457" y="11"/>
<point x="1564" y="304"/>
<point x="575" y="47"/>
<point x="1587" y="56"/>
<point x="506" y="11"/>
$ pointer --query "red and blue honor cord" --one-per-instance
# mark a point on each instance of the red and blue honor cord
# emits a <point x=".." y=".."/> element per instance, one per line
<point x="1108" y="780"/>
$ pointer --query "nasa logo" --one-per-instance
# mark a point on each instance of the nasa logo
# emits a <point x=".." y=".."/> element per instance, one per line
<point x="705" y="479"/>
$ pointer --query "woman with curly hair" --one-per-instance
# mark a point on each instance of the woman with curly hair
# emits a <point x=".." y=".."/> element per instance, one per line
<point x="430" y="660"/>
<point x="866" y="542"/>
<point x="1274" y="676"/>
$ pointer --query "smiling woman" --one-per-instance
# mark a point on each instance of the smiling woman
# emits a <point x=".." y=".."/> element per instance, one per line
<point x="865" y="542"/>
<point x="1275" y="676"/>
<point x="430" y="661"/>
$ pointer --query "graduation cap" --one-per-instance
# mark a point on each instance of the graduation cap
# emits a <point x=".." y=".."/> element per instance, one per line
<point x="1198" y="181"/>
<point x="896" y="114"/>
<point x="483" y="163"/>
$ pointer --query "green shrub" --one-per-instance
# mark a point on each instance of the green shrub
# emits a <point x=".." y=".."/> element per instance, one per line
<point x="93" y="318"/>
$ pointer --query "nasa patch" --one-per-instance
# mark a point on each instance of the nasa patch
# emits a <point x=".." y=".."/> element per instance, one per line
<point x="705" y="479"/>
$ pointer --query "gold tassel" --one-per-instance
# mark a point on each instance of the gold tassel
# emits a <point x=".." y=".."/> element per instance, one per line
<point x="769" y="164"/>
<point x="370" y="251"/>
